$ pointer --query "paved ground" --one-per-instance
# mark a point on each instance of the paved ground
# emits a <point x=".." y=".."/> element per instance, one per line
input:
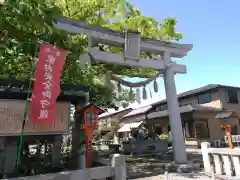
<point x="189" y="176"/>
<point x="149" y="167"/>
<point x="154" y="165"/>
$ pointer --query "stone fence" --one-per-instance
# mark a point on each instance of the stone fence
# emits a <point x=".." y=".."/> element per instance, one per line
<point x="221" y="161"/>
<point x="117" y="171"/>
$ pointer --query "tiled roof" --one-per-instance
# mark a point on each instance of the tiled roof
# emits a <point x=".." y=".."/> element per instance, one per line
<point x="197" y="91"/>
<point x="189" y="108"/>
<point x="137" y="111"/>
<point x="107" y="114"/>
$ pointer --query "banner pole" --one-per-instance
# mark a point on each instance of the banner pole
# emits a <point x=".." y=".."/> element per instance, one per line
<point x="26" y="107"/>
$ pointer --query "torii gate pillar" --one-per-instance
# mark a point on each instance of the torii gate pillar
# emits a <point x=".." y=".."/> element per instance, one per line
<point x="179" y="149"/>
<point x="133" y="44"/>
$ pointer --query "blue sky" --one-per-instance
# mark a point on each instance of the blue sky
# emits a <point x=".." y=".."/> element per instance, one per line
<point x="213" y="27"/>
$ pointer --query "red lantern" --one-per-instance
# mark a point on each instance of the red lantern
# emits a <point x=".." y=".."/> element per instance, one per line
<point x="90" y="115"/>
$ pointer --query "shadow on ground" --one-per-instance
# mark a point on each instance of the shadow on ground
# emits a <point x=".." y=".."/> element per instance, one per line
<point x="140" y="166"/>
<point x="153" y="165"/>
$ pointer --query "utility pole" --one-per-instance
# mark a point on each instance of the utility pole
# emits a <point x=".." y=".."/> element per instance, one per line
<point x="133" y="45"/>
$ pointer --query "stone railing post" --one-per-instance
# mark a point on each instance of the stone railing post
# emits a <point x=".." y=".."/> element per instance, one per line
<point x="206" y="157"/>
<point x="56" y="151"/>
<point x="119" y="165"/>
<point x="227" y="165"/>
<point x="218" y="164"/>
<point x="236" y="163"/>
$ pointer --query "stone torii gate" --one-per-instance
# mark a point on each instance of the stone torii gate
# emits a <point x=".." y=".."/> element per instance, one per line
<point x="133" y="45"/>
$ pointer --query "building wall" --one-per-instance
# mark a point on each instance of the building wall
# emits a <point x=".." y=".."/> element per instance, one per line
<point x="231" y="107"/>
<point x="218" y="100"/>
<point x="189" y="100"/>
<point x="214" y="125"/>
<point x="106" y="121"/>
<point x="194" y="99"/>
<point x="164" y="121"/>
<point x="134" y="118"/>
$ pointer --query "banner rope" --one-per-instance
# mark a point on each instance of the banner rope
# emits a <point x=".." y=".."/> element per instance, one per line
<point x="20" y="147"/>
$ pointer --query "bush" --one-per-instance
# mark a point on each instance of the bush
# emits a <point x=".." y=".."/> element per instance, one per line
<point x="163" y="136"/>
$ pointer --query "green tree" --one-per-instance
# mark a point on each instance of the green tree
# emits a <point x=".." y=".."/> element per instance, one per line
<point x="23" y="22"/>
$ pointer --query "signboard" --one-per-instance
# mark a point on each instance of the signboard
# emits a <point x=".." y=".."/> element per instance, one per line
<point x="235" y="138"/>
<point x="12" y="114"/>
<point x="46" y="87"/>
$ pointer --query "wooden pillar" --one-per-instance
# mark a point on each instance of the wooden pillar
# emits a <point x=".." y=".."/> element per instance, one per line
<point x="56" y="151"/>
<point x="2" y="154"/>
<point x="10" y="155"/>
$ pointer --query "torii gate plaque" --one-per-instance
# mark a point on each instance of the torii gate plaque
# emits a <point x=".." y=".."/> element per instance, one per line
<point x="133" y="44"/>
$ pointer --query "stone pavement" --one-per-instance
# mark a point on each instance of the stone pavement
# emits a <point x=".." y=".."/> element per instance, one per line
<point x="188" y="176"/>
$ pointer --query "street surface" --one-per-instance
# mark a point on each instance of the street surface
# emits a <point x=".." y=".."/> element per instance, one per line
<point x="189" y="176"/>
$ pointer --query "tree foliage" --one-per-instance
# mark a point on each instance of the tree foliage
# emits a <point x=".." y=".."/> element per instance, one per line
<point x="24" y="22"/>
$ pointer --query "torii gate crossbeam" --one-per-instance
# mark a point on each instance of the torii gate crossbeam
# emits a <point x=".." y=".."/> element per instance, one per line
<point x="133" y="44"/>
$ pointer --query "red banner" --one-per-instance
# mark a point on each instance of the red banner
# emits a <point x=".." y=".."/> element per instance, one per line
<point x="47" y="83"/>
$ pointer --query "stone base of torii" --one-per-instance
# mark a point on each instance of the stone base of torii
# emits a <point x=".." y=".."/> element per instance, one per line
<point x="133" y="45"/>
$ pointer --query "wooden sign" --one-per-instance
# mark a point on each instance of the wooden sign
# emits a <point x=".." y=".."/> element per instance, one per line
<point x="12" y="114"/>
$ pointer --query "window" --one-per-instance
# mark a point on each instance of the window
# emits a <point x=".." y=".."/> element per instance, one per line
<point x="162" y="107"/>
<point x="231" y="96"/>
<point x="90" y="117"/>
<point x="184" y="103"/>
<point x="202" y="130"/>
<point x="204" y="98"/>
